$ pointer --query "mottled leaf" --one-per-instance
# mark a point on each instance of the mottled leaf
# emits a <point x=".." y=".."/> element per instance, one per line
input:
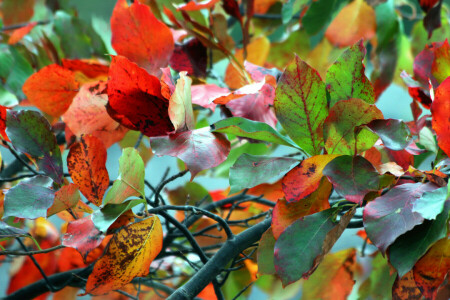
<point x="346" y="78"/>
<point x="65" y="198"/>
<point x="394" y="133"/>
<point x="135" y="99"/>
<point x="87" y="167"/>
<point x="30" y="133"/>
<point x="251" y="129"/>
<point x="303" y="238"/>
<point x="342" y="121"/>
<point x="405" y="288"/>
<point x="285" y="213"/>
<point x="301" y="105"/>
<point x="107" y="215"/>
<point x="129" y="255"/>
<point x="250" y="170"/>
<point x="334" y="278"/>
<point x="30" y="198"/>
<point x="131" y="178"/>
<point x="352" y="177"/>
<point x="139" y="36"/>
<point x="389" y="216"/>
<point x="51" y="89"/>
<point x="408" y="248"/>
<point x="440" y="67"/>
<point x="88" y="115"/>
<point x="265" y="253"/>
<point x="200" y="149"/>
<point x="354" y="22"/>
<point x="431" y="203"/>
<point x="305" y="178"/>
<point x="440" y="111"/>
<point x="82" y="235"/>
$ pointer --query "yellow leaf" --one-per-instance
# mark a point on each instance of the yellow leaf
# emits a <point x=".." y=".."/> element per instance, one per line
<point x="129" y="255"/>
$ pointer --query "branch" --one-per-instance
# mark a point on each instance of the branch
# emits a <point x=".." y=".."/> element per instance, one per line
<point x="12" y="252"/>
<point x="214" y="266"/>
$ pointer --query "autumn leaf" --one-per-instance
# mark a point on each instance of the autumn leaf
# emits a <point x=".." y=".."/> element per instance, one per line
<point x="339" y="127"/>
<point x="87" y="167"/>
<point x="301" y="105"/>
<point x="395" y="134"/>
<point x="19" y="33"/>
<point x="91" y="69"/>
<point x="131" y="178"/>
<point x="352" y="177"/>
<point x="265" y="253"/>
<point x="346" y="78"/>
<point x="3" y="110"/>
<point x="191" y="57"/>
<point x="65" y="198"/>
<point x="380" y="281"/>
<point x="285" y="213"/>
<point x="88" y="115"/>
<point x="139" y="36"/>
<point x="440" y="111"/>
<point x="440" y="68"/>
<point x="204" y="94"/>
<point x="82" y="235"/>
<point x="190" y="146"/>
<point x="142" y="241"/>
<point x="305" y="178"/>
<point x="181" y="113"/>
<point x="354" y="22"/>
<point x="194" y="5"/>
<point x="405" y="288"/>
<point x="135" y="100"/>
<point x="30" y="133"/>
<point x="250" y="170"/>
<point x="51" y="89"/>
<point x="16" y="11"/>
<point x="391" y="215"/>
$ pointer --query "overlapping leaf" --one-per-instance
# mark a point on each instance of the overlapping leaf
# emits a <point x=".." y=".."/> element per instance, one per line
<point x="180" y="105"/>
<point x="51" y="89"/>
<point x="87" y="167"/>
<point x="200" y="149"/>
<point x="139" y="36"/>
<point x="301" y="105"/>
<point x="305" y="178"/>
<point x="391" y="215"/>
<point x="65" y="198"/>
<point x="340" y="125"/>
<point x="265" y="253"/>
<point x="106" y="216"/>
<point x="135" y="99"/>
<point x="431" y="203"/>
<point x="129" y="255"/>
<point x="394" y="133"/>
<point x="30" y="133"/>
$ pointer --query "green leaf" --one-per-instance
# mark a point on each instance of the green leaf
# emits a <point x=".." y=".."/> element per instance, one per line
<point x="105" y="217"/>
<point x="7" y="98"/>
<point x="388" y="25"/>
<point x="346" y="78"/>
<point x="408" y="248"/>
<point x="29" y="199"/>
<point x="30" y="133"/>
<point x="251" y="129"/>
<point x="19" y="71"/>
<point x="395" y="134"/>
<point x="301" y="105"/>
<point x="299" y="245"/>
<point x="344" y="118"/>
<point x="431" y="203"/>
<point x="265" y="253"/>
<point x="131" y="178"/>
<point x="318" y="15"/>
<point x="250" y="170"/>
<point x="427" y="139"/>
<point x="290" y="8"/>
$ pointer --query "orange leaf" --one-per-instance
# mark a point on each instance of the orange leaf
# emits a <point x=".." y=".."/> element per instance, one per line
<point x="3" y="123"/>
<point x="305" y="178"/>
<point x="440" y="111"/>
<point x="67" y="197"/>
<point x="430" y="270"/>
<point x="284" y="213"/>
<point x="16" y="11"/>
<point x="354" y="22"/>
<point x="19" y="33"/>
<point x="405" y="288"/>
<point x="86" y="163"/>
<point x="88" y="115"/>
<point x="51" y="89"/>
<point x="138" y="35"/>
<point x="129" y="255"/>
<point x="91" y="69"/>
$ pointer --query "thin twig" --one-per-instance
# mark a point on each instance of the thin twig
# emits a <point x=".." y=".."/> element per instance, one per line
<point x="20" y="25"/>
<point x="22" y="253"/>
<point x="164" y="182"/>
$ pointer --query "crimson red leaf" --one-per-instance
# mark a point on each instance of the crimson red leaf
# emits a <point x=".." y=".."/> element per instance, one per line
<point x="191" y="57"/>
<point x="82" y="235"/>
<point x="135" y="99"/>
<point x="440" y="111"/>
<point x="200" y="149"/>
<point x="389" y="216"/>
<point x="90" y="69"/>
<point x="139" y="36"/>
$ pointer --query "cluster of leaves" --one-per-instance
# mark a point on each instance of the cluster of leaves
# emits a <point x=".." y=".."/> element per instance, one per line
<point x="174" y="65"/>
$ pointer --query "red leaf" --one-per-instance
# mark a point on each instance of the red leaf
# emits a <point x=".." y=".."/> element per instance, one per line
<point x="204" y="94"/>
<point x="200" y="149"/>
<point x="426" y="5"/>
<point x="440" y="111"/>
<point x="193" y="5"/>
<point x="82" y="235"/>
<point x="135" y="99"/>
<point x="19" y="33"/>
<point x="86" y="163"/>
<point x="90" y="69"/>
<point x="138" y="35"/>
<point x="51" y="89"/>
<point x="191" y="57"/>
<point x="3" y="123"/>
